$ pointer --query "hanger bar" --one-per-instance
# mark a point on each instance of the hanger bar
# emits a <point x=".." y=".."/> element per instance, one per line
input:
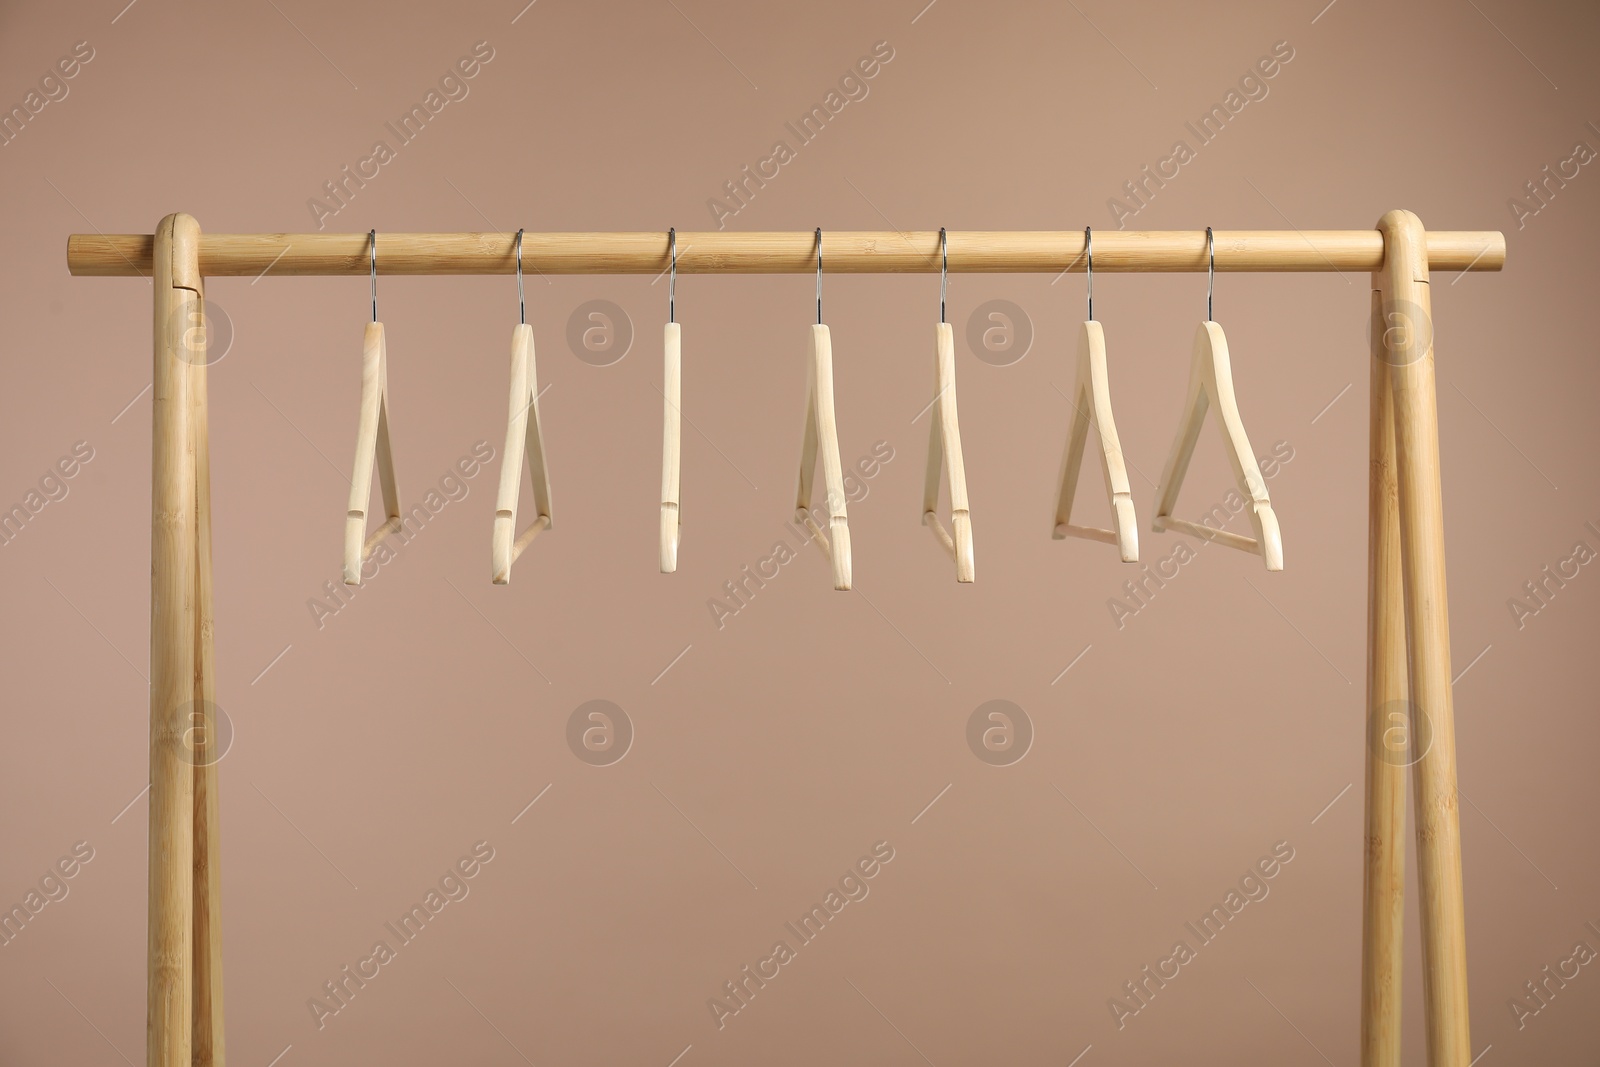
<point x="848" y="252"/>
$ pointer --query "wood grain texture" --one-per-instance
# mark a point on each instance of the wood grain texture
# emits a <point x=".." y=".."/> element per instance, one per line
<point x="727" y="252"/>
<point x="1091" y="403"/>
<point x="945" y="461"/>
<point x="174" y="630"/>
<point x="1408" y="347"/>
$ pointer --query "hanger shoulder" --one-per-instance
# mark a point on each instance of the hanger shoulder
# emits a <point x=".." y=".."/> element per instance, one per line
<point x="1091" y="404"/>
<point x="524" y="440"/>
<point x="671" y="439"/>
<point x="945" y="460"/>
<point x="1194" y="414"/>
<point x="821" y="441"/>
<point x="372" y="447"/>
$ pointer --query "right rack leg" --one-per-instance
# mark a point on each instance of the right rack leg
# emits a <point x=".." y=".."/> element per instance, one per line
<point x="1408" y="348"/>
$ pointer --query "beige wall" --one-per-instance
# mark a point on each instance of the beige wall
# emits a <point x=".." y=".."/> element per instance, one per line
<point x="768" y="756"/>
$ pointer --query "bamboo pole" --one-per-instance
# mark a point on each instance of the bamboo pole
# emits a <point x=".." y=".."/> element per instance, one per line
<point x="1409" y="350"/>
<point x="1388" y="727"/>
<point x="861" y="252"/>
<point x="173" y="640"/>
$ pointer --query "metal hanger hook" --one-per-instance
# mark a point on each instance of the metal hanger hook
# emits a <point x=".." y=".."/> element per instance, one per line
<point x="944" y="269"/>
<point x="522" y="301"/>
<point x="1088" y="251"/>
<point x="672" y="280"/>
<point x="372" y="236"/>
<point x="1211" y="269"/>
<point x="819" y="275"/>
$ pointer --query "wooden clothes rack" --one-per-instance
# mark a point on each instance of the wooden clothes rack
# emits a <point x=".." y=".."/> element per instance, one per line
<point x="1408" y="662"/>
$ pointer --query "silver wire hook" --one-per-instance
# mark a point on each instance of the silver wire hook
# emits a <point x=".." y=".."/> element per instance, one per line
<point x="372" y="236"/>
<point x="1211" y="269"/>
<point x="522" y="301"/>
<point x="672" y="281"/>
<point x="1088" y="251"/>
<point x="944" y="269"/>
<point x="819" y="275"/>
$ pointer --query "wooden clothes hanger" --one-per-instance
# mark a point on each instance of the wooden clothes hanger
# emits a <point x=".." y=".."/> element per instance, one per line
<point x="944" y="441"/>
<point x="372" y="444"/>
<point x="523" y="438"/>
<point x="822" y="434"/>
<point x="671" y="420"/>
<point x="1091" y="399"/>
<point x="1211" y="385"/>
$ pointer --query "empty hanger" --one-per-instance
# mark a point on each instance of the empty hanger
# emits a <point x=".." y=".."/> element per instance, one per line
<point x="1091" y="398"/>
<point x="372" y="444"/>
<point x="523" y="437"/>
<point x="821" y="429"/>
<point x="671" y="428"/>
<point x="1211" y="385"/>
<point x="944" y="440"/>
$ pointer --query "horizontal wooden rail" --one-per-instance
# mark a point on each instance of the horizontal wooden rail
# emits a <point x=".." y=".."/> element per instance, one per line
<point x="843" y="252"/>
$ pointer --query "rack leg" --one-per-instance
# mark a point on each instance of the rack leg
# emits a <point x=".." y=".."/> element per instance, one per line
<point x="1388" y="727"/>
<point x="1409" y="350"/>
<point x="176" y="283"/>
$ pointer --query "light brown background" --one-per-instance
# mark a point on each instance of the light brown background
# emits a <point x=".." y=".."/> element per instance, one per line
<point x="1223" y="718"/>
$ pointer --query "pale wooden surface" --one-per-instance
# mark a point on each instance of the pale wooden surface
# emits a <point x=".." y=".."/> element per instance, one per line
<point x="1091" y="401"/>
<point x="524" y="439"/>
<point x="372" y="445"/>
<point x="671" y="442"/>
<point x="944" y="459"/>
<point x="1409" y="349"/>
<point x="730" y="252"/>
<point x="821" y="437"/>
<point x="1211" y="386"/>
<point x="1384" y="866"/>
<point x="174" y="630"/>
